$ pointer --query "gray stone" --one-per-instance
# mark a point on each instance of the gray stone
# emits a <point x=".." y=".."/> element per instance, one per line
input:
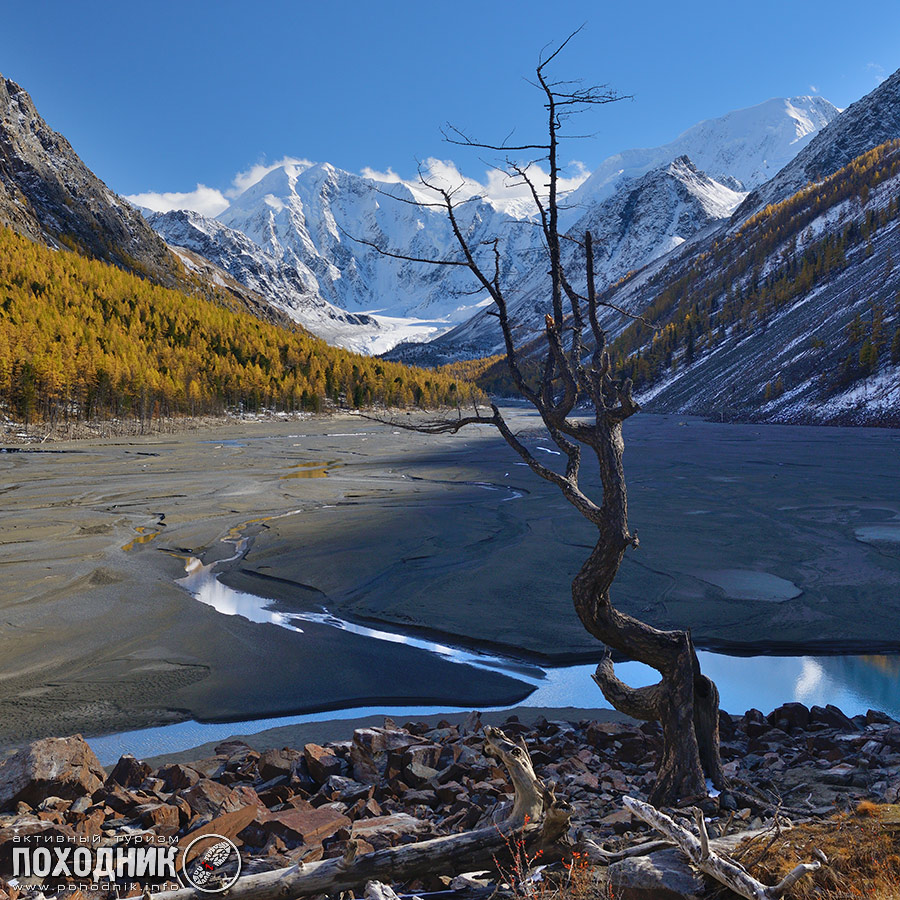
<point x="665" y="875"/>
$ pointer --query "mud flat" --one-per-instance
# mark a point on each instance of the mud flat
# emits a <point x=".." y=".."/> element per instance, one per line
<point x="759" y="538"/>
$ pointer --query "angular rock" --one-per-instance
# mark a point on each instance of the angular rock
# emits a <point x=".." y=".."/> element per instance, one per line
<point x="209" y="798"/>
<point x="308" y="826"/>
<point x="273" y="763"/>
<point x="52" y="767"/>
<point x="159" y="816"/>
<point x="177" y="777"/>
<point x="128" y="772"/>
<point x="832" y="717"/>
<point x="390" y="826"/>
<point x="665" y="875"/>
<point x="788" y="716"/>
<point x="321" y="763"/>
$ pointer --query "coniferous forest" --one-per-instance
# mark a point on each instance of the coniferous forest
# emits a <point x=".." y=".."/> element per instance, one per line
<point x="81" y="338"/>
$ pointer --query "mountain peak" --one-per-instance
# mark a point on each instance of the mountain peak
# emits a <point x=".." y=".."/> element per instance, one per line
<point x="48" y="195"/>
<point x="742" y="148"/>
<point x="865" y="124"/>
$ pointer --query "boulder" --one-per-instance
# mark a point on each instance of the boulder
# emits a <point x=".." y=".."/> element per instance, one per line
<point x="665" y="875"/>
<point x="307" y="826"/>
<point x="209" y="798"/>
<point x="273" y="763"/>
<point x="128" y="772"/>
<point x="788" y="716"/>
<point x="321" y="762"/>
<point x="52" y="767"/>
<point x="388" y="826"/>
<point x="177" y="777"/>
<point x="832" y="717"/>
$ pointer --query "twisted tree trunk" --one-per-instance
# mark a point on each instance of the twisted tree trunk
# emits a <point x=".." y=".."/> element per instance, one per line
<point x="685" y="702"/>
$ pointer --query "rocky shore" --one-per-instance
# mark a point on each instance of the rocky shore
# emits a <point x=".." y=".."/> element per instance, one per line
<point x="394" y="785"/>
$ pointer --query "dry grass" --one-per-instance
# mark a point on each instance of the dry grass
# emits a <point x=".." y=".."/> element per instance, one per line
<point x="524" y="878"/>
<point x="863" y="851"/>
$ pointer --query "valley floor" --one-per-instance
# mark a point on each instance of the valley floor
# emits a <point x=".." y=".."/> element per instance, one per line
<point x="759" y="538"/>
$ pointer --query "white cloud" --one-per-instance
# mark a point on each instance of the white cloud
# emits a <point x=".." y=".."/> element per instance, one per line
<point x="251" y="176"/>
<point x="508" y="194"/>
<point x="814" y="89"/>
<point x="210" y="201"/>
<point x="205" y="200"/>
<point x="504" y="192"/>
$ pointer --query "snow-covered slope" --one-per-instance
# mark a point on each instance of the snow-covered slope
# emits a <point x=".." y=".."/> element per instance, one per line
<point x="324" y="221"/>
<point x="863" y="125"/>
<point x="290" y="288"/>
<point x="774" y="308"/>
<point x="641" y="222"/>
<point x="742" y="149"/>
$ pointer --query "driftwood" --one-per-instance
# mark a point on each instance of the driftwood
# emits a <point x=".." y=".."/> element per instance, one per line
<point x="724" y="870"/>
<point x="375" y="890"/>
<point x="537" y="820"/>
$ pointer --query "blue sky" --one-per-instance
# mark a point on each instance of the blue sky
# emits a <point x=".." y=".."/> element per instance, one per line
<point x="163" y="96"/>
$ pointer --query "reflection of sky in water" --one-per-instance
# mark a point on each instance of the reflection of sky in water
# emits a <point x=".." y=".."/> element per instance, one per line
<point x="853" y="683"/>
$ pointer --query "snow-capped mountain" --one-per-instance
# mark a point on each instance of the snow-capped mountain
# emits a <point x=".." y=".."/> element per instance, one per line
<point x="317" y="229"/>
<point x="865" y="124"/>
<point x="641" y="222"/>
<point x="291" y="288"/>
<point x="325" y="220"/>
<point x="741" y="149"/>
<point x="304" y="236"/>
<point x="642" y="204"/>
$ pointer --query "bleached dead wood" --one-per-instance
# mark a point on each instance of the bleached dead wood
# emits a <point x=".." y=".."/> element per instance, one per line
<point x="724" y="870"/>
<point x="545" y="825"/>
<point x="375" y="890"/>
<point x="601" y="855"/>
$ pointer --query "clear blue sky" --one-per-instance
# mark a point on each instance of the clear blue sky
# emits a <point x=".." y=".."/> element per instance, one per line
<point x="158" y="96"/>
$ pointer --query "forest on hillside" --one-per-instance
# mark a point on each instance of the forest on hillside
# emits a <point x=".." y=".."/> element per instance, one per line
<point x="83" y="339"/>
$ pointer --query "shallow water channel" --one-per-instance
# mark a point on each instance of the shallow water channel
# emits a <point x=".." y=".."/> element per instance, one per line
<point x="854" y="683"/>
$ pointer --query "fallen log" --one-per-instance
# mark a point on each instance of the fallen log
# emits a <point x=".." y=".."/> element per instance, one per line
<point x="724" y="870"/>
<point x="537" y="821"/>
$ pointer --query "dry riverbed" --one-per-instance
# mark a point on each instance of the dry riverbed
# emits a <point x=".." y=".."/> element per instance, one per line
<point x="757" y="537"/>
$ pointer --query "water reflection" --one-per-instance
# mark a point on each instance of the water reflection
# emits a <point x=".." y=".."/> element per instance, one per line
<point x="853" y="683"/>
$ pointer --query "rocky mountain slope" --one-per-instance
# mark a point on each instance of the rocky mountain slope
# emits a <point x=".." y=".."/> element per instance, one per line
<point x="641" y="222"/>
<point x="742" y="149"/>
<point x="290" y="289"/>
<point x="863" y="125"/>
<point x="794" y="316"/>
<point x="48" y="195"/>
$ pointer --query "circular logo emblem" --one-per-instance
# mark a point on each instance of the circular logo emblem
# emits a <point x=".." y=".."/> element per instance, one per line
<point x="210" y="863"/>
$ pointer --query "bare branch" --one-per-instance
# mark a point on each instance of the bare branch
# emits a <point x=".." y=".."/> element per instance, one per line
<point x="438" y="426"/>
<point x="723" y="869"/>
<point x="463" y="140"/>
<point x="403" y="256"/>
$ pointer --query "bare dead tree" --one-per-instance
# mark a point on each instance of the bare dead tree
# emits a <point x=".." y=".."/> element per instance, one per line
<point x="576" y="371"/>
